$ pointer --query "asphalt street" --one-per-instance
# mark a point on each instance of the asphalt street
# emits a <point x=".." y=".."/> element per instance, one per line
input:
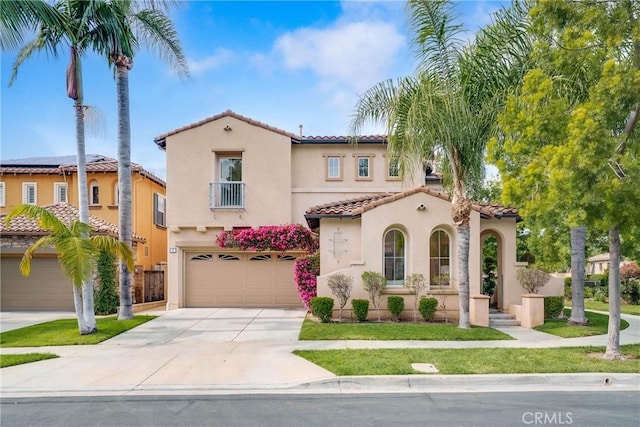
<point x="603" y="408"/>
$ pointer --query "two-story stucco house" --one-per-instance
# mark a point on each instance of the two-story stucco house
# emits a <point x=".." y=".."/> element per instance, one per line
<point x="49" y="181"/>
<point x="229" y="172"/>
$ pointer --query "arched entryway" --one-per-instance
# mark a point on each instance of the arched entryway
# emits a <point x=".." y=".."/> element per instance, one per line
<point x="492" y="268"/>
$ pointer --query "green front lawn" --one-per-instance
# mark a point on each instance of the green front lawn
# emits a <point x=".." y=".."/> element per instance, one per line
<point x="397" y="331"/>
<point x="19" y="359"/>
<point x="65" y="332"/>
<point x="604" y="306"/>
<point x="473" y="360"/>
<point x="598" y="325"/>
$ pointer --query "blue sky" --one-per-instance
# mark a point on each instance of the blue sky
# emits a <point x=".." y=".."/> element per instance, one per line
<point x="283" y="63"/>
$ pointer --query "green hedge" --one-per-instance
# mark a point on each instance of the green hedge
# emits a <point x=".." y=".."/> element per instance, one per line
<point x="360" y="309"/>
<point x="322" y="307"/>
<point x="428" y="307"/>
<point x="395" y="305"/>
<point x="553" y="307"/>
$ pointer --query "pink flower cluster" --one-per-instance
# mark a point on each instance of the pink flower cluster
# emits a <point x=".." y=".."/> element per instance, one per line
<point x="270" y="238"/>
<point x="307" y="269"/>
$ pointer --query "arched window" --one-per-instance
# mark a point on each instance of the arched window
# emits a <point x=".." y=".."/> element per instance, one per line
<point x="394" y="257"/>
<point x="440" y="256"/>
<point x="94" y="193"/>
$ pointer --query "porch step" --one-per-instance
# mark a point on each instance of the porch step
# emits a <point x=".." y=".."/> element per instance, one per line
<point x="502" y="319"/>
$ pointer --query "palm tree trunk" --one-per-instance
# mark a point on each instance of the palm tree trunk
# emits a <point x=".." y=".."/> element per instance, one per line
<point x="84" y="307"/>
<point x="461" y="213"/>
<point x="613" y="341"/>
<point x="124" y="181"/>
<point x="577" y="276"/>
<point x="77" y="304"/>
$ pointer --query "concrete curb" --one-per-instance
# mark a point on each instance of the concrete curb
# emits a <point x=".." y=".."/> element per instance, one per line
<point x="367" y="384"/>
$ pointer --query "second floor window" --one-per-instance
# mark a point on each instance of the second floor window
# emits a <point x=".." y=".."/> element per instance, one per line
<point x="94" y="193"/>
<point x="333" y="167"/>
<point x="60" y="192"/>
<point x="159" y="211"/>
<point x="393" y="168"/>
<point x="29" y="193"/>
<point x="364" y="167"/>
<point x="231" y="169"/>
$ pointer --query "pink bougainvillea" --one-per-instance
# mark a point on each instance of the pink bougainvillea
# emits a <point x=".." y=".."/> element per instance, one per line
<point x="270" y="238"/>
<point x="307" y="269"/>
<point x="282" y="238"/>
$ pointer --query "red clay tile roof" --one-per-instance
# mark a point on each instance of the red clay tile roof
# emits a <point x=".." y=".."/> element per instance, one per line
<point x="95" y="163"/>
<point x="22" y="225"/>
<point x="355" y="207"/>
<point x="160" y="140"/>
<point x="362" y="139"/>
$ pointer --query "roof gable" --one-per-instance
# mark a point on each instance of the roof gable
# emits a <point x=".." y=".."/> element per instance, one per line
<point x="161" y="139"/>
<point x="357" y="206"/>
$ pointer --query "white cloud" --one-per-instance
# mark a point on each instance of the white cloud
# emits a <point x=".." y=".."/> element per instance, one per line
<point x="221" y="57"/>
<point x="356" y="55"/>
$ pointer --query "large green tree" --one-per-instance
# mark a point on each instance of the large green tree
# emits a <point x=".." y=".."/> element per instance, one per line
<point x="569" y="150"/>
<point x="140" y="24"/>
<point x="82" y="26"/>
<point x="76" y="249"/>
<point x="448" y="108"/>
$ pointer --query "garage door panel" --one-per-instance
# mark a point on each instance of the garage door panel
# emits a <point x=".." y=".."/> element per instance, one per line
<point x="240" y="280"/>
<point x="46" y="288"/>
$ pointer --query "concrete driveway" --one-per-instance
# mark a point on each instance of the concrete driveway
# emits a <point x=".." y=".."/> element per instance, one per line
<point x="184" y="349"/>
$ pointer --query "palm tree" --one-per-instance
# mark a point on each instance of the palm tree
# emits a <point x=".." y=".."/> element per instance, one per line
<point x="151" y="27"/>
<point x="449" y="108"/>
<point x="84" y="25"/>
<point x="76" y="249"/>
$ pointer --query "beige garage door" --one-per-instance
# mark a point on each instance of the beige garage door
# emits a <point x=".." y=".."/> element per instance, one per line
<point x="215" y="279"/>
<point x="46" y="288"/>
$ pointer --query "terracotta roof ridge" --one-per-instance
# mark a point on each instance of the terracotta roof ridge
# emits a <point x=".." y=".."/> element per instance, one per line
<point x="227" y="113"/>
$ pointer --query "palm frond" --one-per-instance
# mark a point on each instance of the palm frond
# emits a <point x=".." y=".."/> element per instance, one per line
<point x="109" y="244"/>
<point x="20" y="17"/>
<point x="77" y="258"/>
<point x="436" y="36"/>
<point x="157" y="32"/>
<point x="25" y="263"/>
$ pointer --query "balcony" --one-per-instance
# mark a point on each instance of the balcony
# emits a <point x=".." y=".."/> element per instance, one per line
<point x="226" y="195"/>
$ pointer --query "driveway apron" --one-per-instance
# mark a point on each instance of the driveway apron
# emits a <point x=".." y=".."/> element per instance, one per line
<point x="181" y="349"/>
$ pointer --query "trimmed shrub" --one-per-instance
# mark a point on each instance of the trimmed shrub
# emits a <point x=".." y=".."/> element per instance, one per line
<point x="395" y="305"/>
<point x="532" y="279"/>
<point x="600" y="295"/>
<point x="630" y="291"/>
<point x="340" y="285"/>
<point x="588" y="292"/>
<point x="322" y="307"/>
<point x="106" y="299"/>
<point x="374" y="283"/>
<point x="553" y="307"/>
<point x="360" y="309"/>
<point x="428" y="308"/>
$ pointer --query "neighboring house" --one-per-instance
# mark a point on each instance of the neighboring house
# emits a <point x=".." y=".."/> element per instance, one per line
<point x="229" y="172"/>
<point x="599" y="264"/>
<point x="50" y="180"/>
<point x="46" y="288"/>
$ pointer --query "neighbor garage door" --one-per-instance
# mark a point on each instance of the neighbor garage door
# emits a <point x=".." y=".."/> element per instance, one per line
<point x="215" y="279"/>
<point x="46" y="288"/>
